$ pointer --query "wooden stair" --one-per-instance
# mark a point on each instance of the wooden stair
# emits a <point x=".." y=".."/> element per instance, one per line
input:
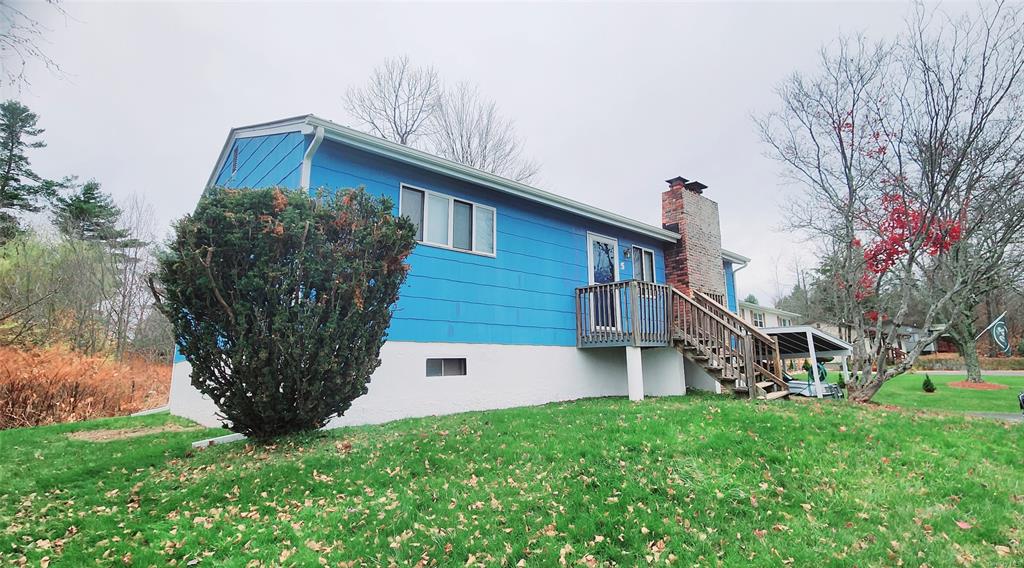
<point x="737" y="355"/>
<point x="742" y="359"/>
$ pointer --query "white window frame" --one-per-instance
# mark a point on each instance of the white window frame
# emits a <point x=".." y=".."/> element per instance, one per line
<point x="465" y="365"/>
<point x="654" y="264"/>
<point x="754" y="317"/>
<point x="590" y="255"/>
<point x="451" y="221"/>
<point x="615" y="278"/>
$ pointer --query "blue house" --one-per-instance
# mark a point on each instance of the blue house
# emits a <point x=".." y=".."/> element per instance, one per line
<point x="515" y="295"/>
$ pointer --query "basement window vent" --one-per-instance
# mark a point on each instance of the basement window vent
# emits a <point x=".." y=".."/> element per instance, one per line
<point x="446" y="367"/>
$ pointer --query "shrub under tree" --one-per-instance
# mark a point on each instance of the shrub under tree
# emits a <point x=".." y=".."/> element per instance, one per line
<point x="281" y="301"/>
<point x="928" y="385"/>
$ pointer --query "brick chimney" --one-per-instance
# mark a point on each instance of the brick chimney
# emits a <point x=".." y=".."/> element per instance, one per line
<point x="695" y="262"/>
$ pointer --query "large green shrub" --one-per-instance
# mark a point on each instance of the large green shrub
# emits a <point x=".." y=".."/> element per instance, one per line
<point x="280" y="301"/>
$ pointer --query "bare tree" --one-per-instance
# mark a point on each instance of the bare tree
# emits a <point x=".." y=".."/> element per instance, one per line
<point x="89" y="294"/>
<point x="397" y="102"/>
<point x="468" y="129"/>
<point x="410" y="105"/>
<point x="20" y="41"/>
<point x="824" y="120"/>
<point x="911" y="156"/>
<point x="131" y="263"/>
<point x="991" y="238"/>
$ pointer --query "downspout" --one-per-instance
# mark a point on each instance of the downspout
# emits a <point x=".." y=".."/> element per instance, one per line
<point x="735" y="288"/>
<point x="307" y="158"/>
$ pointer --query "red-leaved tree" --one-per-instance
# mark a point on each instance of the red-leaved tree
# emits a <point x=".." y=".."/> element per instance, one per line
<point x="911" y="155"/>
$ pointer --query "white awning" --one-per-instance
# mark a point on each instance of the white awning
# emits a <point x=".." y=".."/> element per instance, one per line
<point x="793" y="342"/>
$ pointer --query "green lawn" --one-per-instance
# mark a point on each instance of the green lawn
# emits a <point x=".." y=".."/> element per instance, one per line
<point x="695" y="480"/>
<point x="905" y="390"/>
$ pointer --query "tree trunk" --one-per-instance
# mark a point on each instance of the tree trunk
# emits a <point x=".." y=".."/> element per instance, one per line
<point x="969" y="349"/>
<point x="865" y="392"/>
<point x="964" y="334"/>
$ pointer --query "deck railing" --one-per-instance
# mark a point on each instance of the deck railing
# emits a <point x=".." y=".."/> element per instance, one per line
<point x="643" y="314"/>
<point x="630" y="312"/>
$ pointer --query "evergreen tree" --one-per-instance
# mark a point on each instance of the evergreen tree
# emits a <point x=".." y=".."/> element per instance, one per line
<point x="88" y="215"/>
<point x="20" y="188"/>
<point x="280" y="301"/>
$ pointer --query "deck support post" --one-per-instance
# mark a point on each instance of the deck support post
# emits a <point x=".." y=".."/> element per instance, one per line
<point x="814" y="364"/>
<point x="634" y="373"/>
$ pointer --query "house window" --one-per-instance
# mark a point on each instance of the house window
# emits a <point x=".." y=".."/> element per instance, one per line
<point x="412" y="207"/>
<point x="447" y="222"/>
<point x="785" y="322"/>
<point x="449" y="367"/>
<point x="437" y="219"/>
<point x="758" y="318"/>
<point x="462" y="226"/>
<point x="643" y="264"/>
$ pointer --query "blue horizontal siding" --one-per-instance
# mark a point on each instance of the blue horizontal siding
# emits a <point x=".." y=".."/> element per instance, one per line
<point x="472" y="332"/>
<point x="264" y="161"/>
<point x="523" y="295"/>
<point x="730" y="286"/>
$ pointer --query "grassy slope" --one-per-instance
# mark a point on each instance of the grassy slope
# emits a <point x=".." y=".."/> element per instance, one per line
<point x="905" y="391"/>
<point x="699" y="479"/>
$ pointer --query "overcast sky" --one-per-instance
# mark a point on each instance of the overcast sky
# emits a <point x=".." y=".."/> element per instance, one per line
<point x="610" y="99"/>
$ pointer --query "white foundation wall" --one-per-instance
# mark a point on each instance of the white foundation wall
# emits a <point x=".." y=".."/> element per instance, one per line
<point x="699" y="379"/>
<point x="664" y="372"/>
<point x="498" y="376"/>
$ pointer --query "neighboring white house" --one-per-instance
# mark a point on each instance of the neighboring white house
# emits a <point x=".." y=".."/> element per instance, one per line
<point x="765" y="316"/>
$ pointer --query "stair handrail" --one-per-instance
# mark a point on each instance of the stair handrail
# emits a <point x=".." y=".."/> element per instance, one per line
<point x="756" y="334"/>
<point x="742" y="322"/>
<point x="705" y="310"/>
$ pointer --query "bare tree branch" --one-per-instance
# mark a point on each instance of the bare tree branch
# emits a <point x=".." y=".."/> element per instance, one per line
<point x="21" y="41"/>
<point x="409" y="105"/>
<point x="468" y="129"/>
<point x="397" y="102"/>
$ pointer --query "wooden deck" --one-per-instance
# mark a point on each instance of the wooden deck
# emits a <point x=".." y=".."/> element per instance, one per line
<point x="642" y="314"/>
<point x="628" y="313"/>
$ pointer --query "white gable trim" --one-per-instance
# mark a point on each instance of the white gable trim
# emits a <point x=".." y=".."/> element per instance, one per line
<point x="296" y="124"/>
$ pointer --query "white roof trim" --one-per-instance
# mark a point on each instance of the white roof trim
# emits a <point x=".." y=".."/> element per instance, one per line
<point x="294" y="124"/>
<point x="768" y="309"/>
<point x="734" y="257"/>
<point x="418" y="158"/>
